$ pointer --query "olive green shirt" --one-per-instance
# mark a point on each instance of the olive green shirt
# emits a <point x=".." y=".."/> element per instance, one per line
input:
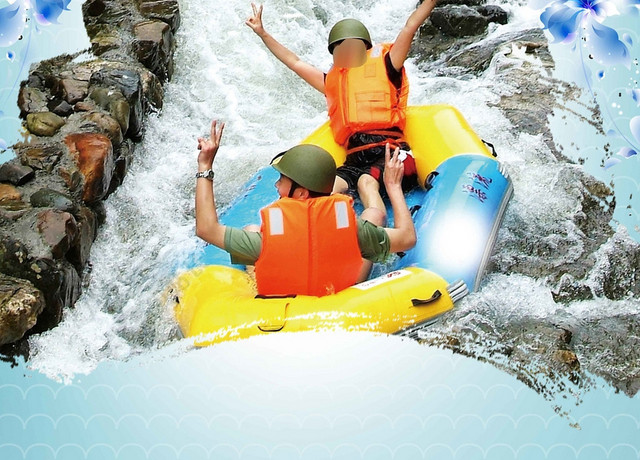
<point x="245" y="246"/>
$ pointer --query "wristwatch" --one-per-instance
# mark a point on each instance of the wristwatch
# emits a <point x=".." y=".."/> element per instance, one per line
<point x="208" y="174"/>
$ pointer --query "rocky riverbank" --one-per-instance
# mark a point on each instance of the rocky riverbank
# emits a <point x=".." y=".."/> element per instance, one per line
<point x="82" y="118"/>
<point x="565" y="262"/>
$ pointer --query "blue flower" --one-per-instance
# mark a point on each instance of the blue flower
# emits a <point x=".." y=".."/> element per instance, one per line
<point x="48" y="11"/>
<point x="12" y="23"/>
<point x="565" y="19"/>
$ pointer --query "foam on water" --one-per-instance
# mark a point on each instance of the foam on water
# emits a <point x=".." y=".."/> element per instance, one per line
<point x="224" y="71"/>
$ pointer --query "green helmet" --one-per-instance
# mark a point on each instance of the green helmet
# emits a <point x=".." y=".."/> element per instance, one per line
<point x="348" y="28"/>
<point x="310" y="166"/>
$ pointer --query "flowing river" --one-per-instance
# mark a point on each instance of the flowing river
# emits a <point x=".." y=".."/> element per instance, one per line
<point x="223" y="71"/>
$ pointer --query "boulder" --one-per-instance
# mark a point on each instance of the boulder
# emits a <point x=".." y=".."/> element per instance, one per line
<point x="71" y="90"/>
<point x="31" y="100"/>
<point x="87" y="224"/>
<point x="15" y="173"/>
<point x="9" y="193"/>
<point x="115" y="103"/>
<point x="458" y="21"/>
<point x="58" y="230"/>
<point x="154" y="45"/>
<point x="44" y="123"/>
<point x="164" y="10"/>
<point x="57" y="279"/>
<point x="105" y="124"/>
<point x="129" y="84"/>
<point x="60" y="107"/>
<point x="48" y="198"/>
<point x="40" y="157"/>
<point x="93" y="154"/>
<point x="20" y="305"/>
<point x="493" y="13"/>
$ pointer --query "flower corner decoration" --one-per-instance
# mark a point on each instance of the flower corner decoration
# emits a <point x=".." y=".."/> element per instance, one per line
<point x="580" y="23"/>
<point x="15" y="16"/>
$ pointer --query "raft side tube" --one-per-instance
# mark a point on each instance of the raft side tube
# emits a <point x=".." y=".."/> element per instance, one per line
<point x="459" y="219"/>
<point x="218" y="303"/>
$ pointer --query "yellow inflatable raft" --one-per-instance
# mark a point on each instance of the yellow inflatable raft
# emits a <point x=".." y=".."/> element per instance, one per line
<point x="216" y="303"/>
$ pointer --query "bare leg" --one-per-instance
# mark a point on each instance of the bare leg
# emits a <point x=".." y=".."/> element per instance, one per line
<point x="375" y="216"/>
<point x="340" y="185"/>
<point x="369" y="191"/>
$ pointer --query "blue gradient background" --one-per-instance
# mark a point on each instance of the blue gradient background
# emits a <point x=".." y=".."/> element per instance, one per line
<point x="311" y="396"/>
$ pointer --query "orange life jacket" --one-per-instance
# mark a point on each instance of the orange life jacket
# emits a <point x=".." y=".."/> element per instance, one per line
<point x="363" y="99"/>
<point x="309" y="247"/>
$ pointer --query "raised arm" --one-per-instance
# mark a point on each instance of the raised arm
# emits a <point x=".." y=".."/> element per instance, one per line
<point x="402" y="45"/>
<point x="403" y="236"/>
<point x="207" y="225"/>
<point x="310" y="74"/>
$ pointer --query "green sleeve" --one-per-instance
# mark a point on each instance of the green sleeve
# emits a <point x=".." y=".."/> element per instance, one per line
<point x="243" y="246"/>
<point x="373" y="240"/>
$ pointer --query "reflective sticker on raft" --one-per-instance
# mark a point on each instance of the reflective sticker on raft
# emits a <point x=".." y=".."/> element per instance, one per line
<point x="382" y="279"/>
<point x="276" y="221"/>
<point x="342" y="215"/>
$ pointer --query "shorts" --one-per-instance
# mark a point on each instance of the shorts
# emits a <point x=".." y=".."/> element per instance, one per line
<point x="371" y="161"/>
<point x="350" y="172"/>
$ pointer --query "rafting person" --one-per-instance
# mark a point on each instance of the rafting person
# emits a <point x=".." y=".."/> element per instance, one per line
<point x="310" y="241"/>
<point x="366" y="91"/>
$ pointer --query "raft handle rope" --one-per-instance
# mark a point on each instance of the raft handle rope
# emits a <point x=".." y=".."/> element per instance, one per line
<point x="414" y="209"/>
<point x="419" y="302"/>
<point x="428" y="182"/>
<point x="283" y="296"/>
<point x="493" y="149"/>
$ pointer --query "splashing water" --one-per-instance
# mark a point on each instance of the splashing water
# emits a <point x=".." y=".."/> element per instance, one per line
<point x="223" y="71"/>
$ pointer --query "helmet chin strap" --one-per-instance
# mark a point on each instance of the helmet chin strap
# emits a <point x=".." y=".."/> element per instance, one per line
<point x="294" y="186"/>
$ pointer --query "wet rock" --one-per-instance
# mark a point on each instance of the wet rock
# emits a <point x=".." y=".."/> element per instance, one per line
<point x="71" y="90"/>
<point x="122" y="164"/>
<point x="477" y="58"/>
<point x="129" y="84"/>
<point x="20" y="305"/>
<point x="9" y="193"/>
<point x="58" y="229"/>
<point x="48" y="198"/>
<point x="87" y="224"/>
<point x="39" y="157"/>
<point x="105" y="124"/>
<point x="460" y="2"/>
<point x="93" y="154"/>
<point x="115" y="13"/>
<point x="458" y="20"/>
<point x="163" y="10"/>
<point x="31" y="100"/>
<point x="44" y="123"/>
<point x="114" y="102"/>
<point x="616" y="274"/>
<point x="57" y="279"/>
<point x="15" y="173"/>
<point x="545" y="248"/>
<point x="84" y="106"/>
<point x="567" y="357"/>
<point x="60" y="108"/>
<point x="569" y="289"/>
<point x="104" y="38"/>
<point x="152" y="89"/>
<point x="493" y="13"/>
<point x="154" y="45"/>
